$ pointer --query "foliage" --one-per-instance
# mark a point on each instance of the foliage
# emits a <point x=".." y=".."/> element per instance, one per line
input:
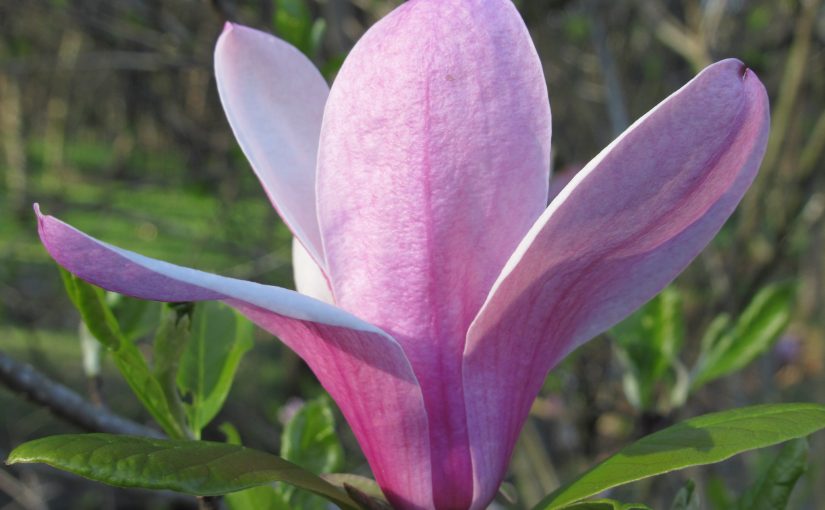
<point x="192" y="467"/>
<point x="649" y="344"/>
<point x="703" y="440"/>
<point x="114" y="116"/>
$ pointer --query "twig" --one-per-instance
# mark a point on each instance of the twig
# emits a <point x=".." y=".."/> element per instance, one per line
<point x="674" y="34"/>
<point x="65" y="402"/>
<point x="21" y="493"/>
<point x="769" y="187"/>
<point x="209" y="502"/>
<point x="613" y="90"/>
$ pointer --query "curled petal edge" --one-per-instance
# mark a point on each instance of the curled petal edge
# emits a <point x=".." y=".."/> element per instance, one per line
<point x="363" y="368"/>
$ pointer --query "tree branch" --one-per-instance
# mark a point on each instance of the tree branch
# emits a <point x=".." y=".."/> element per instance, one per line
<point x="65" y="402"/>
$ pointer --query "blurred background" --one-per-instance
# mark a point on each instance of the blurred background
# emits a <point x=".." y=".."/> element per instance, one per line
<point x="110" y="119"/>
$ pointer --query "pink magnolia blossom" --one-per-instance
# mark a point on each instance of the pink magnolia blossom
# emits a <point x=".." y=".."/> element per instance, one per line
<point x="417" y="190"/>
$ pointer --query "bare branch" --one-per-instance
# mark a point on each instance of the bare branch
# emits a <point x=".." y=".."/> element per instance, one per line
<point x="65" y="402"/>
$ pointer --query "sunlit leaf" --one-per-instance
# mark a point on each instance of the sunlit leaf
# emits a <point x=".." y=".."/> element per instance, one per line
<point x="606" y="504"/>
<point x="756" y="330"/>
<point x="703" y="440"/>
<point x="309" y="440"/>
<point x="648" y="343"/>
<point x="258" y="498"/>
<point x="193" y="467"/>
<point x="220" y="337"/>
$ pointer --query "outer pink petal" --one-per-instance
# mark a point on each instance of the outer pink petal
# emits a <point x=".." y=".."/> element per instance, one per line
<point x="274" y="99"/>
<point x="626" y="225"/>
<point x="309" y="278"/>
<point x="433" y="164"/>
<point x="363" y="368"/>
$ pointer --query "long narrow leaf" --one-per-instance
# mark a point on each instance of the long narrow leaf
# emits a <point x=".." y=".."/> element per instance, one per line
<point x="90" y="301"/>
<point x="703" y="440"/>
<point x="193" y="467"/>
<point x="773" y="490"/>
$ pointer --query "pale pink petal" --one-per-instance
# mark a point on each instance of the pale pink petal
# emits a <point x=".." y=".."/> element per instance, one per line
<point x="274" y="99"/>
<point x="433" y="164"/>
<point x="309" y="278"/>
<point x="363" y="368"/>
<point x="624" y="227"/>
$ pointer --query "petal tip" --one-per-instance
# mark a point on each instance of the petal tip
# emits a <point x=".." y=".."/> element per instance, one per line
<point x="227" y="27"/>
<point x="41" y="218"/>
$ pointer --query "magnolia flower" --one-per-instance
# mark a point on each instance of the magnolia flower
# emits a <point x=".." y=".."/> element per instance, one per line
<point x="444" y="286"/>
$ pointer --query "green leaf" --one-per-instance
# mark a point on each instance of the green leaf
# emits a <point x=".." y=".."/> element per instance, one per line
<point x="366" y="486"/>
<point x="716" y="332"/>
<point x="258" y="498"/>
<point x="717" y="494"/>
<point x="220" y="338"/>
<point x="773" y="490"/>
<point x="309" y="438"/>
<point x="756" y="330"/>
<point x="231" y="433"/>
<point x="137" y="318"/>
<point x="193" y="467"/>
<point x="703" y="440"/>
<point x="293" y="23"/>
<point x="170" y="341"/>
<point x="263" y="497"/>
<point x="687" y="498"/>
<point x="649" y="342"/>
<point x="90" y="301"/>
<point x="606" y="504"/>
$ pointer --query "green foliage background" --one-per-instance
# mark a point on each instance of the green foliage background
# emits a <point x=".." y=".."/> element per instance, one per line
<point x="110" y="119"/>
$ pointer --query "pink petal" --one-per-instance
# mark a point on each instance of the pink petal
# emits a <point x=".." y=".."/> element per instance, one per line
<point x="626" y="225"/>
<point x="433" y="164"/>
<point x="274" y="99"/>
<point x="309" y="278"/>
<point x="363" y="368"/>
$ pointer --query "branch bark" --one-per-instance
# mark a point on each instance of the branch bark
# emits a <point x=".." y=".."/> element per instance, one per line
<point x="65" y="402"/>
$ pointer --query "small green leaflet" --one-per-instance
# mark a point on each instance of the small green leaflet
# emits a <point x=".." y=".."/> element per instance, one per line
<point x="220" y="337"/>
<point x="687" y="498"/>
<point x="726" y="350"/>
<point x="648" y="343"/>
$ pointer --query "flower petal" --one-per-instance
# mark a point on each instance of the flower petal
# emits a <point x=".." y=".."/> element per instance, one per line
<point x="274" y="99"/>
<point x="309" y="278"/>
<point x="363" y="368"/>
<point x="624" y="227"/>
<point x="434" y="162"/>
